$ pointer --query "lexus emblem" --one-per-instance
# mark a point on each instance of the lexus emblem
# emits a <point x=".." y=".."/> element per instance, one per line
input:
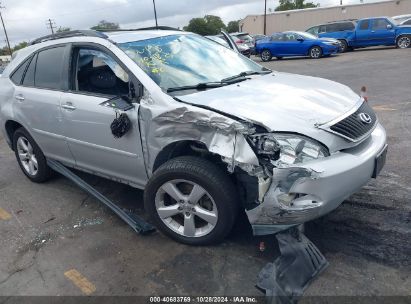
<point x="365" y="118"/>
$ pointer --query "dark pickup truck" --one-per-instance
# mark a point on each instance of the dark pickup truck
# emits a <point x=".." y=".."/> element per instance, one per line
<point x="373" y="32"/>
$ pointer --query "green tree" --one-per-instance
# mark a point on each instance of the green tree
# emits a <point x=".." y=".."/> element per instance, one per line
<point x="5" y="50"/>
<point x="63" y="29"/>
<point x="197" y="25"/>
<point x="19" y="46"/>
<point x="286" y="5"/>
<point x="233" y="26"/>
<point x="105" y="25"/>
<point x="209" y="25"/>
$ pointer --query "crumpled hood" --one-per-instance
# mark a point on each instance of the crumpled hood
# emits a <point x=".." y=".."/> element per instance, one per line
<point x="280" y="101"/>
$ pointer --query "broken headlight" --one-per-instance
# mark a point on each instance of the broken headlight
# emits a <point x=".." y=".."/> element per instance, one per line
<point x="287" y="149"/>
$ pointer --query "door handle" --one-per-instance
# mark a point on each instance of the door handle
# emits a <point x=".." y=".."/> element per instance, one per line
<point x="19" y="97"/>
<point x="68" y="106"/>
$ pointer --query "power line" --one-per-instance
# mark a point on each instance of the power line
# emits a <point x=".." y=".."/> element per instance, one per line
<point x="51" y="25"/>
<point x="5" y="31"/>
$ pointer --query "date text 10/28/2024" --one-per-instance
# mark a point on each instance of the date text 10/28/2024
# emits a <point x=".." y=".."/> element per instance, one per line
<point x="204" y="299"/>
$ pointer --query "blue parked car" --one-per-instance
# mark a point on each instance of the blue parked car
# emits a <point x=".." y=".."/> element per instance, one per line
<point x="373" y="32"/>
<point x="289" y="44"/>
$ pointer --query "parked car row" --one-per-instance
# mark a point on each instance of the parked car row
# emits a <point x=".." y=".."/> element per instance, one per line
<point x="335" y="37"/>
<point x="288" y="44"/>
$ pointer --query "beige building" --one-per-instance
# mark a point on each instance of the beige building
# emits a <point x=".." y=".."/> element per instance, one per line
<point x="305" y="18"/>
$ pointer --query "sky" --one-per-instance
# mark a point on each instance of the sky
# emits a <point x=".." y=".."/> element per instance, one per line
<point x="26" y="19"/>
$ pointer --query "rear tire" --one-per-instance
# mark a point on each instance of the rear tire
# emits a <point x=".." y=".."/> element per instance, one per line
<point x="192" y="201"/>
<point x="315" y="52"/>
<point x="403" y="42"/>
<point x="266" y="55"/>
<point x="30" y="157"/>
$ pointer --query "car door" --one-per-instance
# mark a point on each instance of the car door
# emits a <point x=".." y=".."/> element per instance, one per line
<point x="98" y="82"/>
<point x="293" y="45"/>
<point x="37" y="100"/>
<point x="363" y="35"/>
<point x="382" y="31"/>
<point x="230" y="41"/>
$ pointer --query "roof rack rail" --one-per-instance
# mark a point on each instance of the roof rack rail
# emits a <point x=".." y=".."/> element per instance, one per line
<point x="160" y="27"/>
<point x="342" y="20"/>
<point x="69" y="34"/>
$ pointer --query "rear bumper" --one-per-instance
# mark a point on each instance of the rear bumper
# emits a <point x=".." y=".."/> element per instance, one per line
<point x="300" y="194"/>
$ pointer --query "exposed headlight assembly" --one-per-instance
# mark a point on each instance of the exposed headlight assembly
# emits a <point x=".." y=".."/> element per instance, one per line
<point x="287" y="149"/>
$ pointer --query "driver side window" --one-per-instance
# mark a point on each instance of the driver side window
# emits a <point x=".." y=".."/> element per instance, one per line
<point x="96" y="72"/>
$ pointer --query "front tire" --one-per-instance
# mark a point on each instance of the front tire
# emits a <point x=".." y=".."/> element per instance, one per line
<point x="30" y="157"/>
<point x="192" y="201"/>
<point x="344" y="46"/>
<point x="266" y="55"/>
<point x="403" y="42"/>
<point x="315" y="52"/>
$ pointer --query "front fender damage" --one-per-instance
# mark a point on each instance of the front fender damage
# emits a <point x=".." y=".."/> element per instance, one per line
<point x="270" y="204"/>
<point x="162" y="125"/>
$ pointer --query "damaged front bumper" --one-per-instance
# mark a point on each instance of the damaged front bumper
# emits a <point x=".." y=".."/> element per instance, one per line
<point x="307" y="191"/>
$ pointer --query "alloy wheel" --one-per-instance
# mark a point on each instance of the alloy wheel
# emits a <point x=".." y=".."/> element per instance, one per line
<point x="404" y="42"/>
<point x="186" y="208"/>
<point x="315" y="52"/>
<point x="266" y="55"/>
<point x="27" y="157"/>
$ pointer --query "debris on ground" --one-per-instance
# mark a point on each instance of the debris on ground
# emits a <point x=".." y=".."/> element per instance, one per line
<point x="285" y="280"/>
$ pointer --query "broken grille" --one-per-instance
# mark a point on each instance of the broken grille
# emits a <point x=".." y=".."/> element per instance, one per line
<point x="353" y="127"/>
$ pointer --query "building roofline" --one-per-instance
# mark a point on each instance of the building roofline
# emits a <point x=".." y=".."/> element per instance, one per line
<point x="320" y="8"/>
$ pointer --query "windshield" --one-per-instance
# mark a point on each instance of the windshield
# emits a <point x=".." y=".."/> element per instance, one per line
<point x="186" y="60"/>
<point x="307" y="35"/>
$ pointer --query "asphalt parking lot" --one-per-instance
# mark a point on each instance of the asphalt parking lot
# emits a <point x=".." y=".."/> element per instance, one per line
<point x="57" y="240"/>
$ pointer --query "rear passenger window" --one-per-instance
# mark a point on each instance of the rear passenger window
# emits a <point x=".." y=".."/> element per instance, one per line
<point x="364" y="25"/>
<point x="18" y="74"/>
<point x="332" y="28"/>
<point x="29" y="76"/>
<point x="348" y="26"/>
<point x="49" y="68"/>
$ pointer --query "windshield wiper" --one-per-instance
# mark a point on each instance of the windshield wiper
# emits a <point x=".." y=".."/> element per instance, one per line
<point x="244" y="74"/>
<point x="198" y="87"/>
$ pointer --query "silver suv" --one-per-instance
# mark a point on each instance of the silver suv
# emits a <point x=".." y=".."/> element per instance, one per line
<point x="206" y="132"/>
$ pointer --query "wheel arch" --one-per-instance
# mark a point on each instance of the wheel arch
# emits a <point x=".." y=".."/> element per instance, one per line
<point x="185" y="148"/>
<point x="400" y="36"/>
<point x="11" y="126"/>
<point x="313" y="46"/>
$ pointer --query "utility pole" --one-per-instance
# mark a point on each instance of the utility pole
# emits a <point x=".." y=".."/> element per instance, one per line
<point x="340" y="2"/>
<point x="155" y="12"/>
<point x="51" y="25"/>
<point x="265" y="17"/>
<point x="5" y="32"/>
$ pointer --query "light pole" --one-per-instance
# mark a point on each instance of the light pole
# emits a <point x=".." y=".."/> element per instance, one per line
<point x="265" y="16"/>
<point x="155" y="12"/>
<point x="5" y="32"/>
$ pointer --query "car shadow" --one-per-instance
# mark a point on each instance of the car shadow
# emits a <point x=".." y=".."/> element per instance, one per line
<point x="258" y="59"/>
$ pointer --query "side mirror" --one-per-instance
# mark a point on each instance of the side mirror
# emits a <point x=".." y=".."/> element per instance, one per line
<point x="136" y="90"/>
<point x="389" y="26"/>
<point x="300" y="39"/>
